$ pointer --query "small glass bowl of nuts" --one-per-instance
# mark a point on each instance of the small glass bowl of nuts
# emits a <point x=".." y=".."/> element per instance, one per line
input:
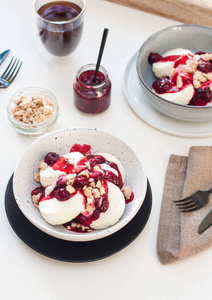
<point x="32" y="111"/>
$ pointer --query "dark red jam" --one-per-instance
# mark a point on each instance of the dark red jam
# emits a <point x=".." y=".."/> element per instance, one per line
<point x="89" y="97"/>
<point x="61" y="194"/>
<point x="60" y="39"/>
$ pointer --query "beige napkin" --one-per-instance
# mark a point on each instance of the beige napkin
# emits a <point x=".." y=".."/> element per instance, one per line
<point x="177" y="232"/>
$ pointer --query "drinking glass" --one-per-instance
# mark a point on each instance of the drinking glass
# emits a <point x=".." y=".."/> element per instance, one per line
<point x="60" y="25"/>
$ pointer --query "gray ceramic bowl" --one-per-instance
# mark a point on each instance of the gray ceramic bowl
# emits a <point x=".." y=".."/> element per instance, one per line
<point x="193" y="37"/>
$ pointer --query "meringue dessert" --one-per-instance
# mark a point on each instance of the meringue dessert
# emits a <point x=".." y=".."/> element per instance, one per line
<point x="183" y="77"/>
<point x="81" y="191"/>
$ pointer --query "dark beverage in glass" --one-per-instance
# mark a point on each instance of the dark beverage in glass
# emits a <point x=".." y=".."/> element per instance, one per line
<point x="60" y="25"/>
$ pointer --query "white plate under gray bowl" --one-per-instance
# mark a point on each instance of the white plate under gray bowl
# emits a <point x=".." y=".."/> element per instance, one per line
<point x="60" y="142"/>
<point x="141" y="105"/>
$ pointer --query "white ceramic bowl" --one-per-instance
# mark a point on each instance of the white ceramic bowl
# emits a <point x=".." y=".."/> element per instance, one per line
<point x="189" y="36"/>
<point x="61" y="142"/>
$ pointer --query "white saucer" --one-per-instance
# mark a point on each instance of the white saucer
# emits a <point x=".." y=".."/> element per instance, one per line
<point x="140" y="104"/>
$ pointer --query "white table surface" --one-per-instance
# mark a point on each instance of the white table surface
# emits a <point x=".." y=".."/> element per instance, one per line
<point x="135" y="272"/>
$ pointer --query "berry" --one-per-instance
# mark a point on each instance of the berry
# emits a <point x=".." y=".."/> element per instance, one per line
<point x="51" y="158"/>
<point x="154" y="57"/>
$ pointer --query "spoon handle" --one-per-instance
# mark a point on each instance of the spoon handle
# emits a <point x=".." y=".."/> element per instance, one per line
<point x="104" y="37"/>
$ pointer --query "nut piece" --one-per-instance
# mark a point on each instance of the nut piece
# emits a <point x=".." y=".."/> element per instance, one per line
<point x="126" y="190"/>
<point x="70" y="178"/>
<point x="179" y="82"/>
<point x="70" y="189"/>
<point x="36" y="199"/>
<point x="43" y="165"/>
<point x="88" y="191"/>
<point x="96" y="193"/>
<point x="37" y="177"/>
<point x="84" y="173"/>
<point x="206" y="56"/>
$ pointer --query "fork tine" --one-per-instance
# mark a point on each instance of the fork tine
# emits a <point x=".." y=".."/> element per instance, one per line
<point x="185" y="203"/>
<point x="13" y="75"/>
<point x="182" y="200"/>
<point x="7" y="67"/>
<point x="189" y="210"/>
<point x="191" y="205"/>
<point x="8" y="74"/>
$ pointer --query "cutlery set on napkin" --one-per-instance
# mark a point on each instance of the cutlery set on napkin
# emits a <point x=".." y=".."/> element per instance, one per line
<point x="183" y="234"/>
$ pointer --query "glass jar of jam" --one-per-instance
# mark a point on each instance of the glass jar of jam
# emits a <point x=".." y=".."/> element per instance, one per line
<point x="89" y="97"/>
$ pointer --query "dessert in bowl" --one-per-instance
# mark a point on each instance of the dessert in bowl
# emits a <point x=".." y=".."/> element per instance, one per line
<point x="105" y="145"/>
<point x="166" y="57"/>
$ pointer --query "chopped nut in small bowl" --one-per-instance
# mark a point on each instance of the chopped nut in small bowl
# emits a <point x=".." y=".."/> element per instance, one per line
<point x="32" y="111"/>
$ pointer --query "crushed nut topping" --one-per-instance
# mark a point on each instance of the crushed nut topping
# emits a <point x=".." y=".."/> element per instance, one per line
<point x="70" y="189"/>
<point x="35" y="199"/>
<point x="206" y="56"/>
<point x="96" y="193"/>
<point x="98" y="184"/>
<point x="43" y="165"/>
<point x="191" y="67"/>
<point x="179" y="81"/>
<point x="88" y="191"/>
<point x="199" y="76"/>
<point x="84" y="173"/>
<point x="126" y="191"/>
<point x="37" y="177"/>
<point x="32" y="109"/>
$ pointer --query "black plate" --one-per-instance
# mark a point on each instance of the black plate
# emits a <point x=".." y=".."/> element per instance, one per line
<point x="74" y="251"/>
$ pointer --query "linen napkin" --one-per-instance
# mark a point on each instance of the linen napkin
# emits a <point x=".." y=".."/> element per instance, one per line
<point x="177" y="237"/>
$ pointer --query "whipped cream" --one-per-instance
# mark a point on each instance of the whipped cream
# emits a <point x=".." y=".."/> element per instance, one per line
<point x="162" y="68"/>
<point x="115" y="210"/>
<point x="59" y="212"/>
<point x="81" y="192"/>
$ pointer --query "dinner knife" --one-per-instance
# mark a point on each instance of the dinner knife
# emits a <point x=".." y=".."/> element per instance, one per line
<point x="3" y="55"/>
<point x="206" y="223"/>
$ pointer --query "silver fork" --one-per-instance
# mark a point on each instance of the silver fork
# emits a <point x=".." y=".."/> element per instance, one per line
<point x="10" y="73"/>
<point x="193" y="202"/>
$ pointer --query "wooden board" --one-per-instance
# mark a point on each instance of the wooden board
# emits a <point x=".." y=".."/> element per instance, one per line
<point x="185" y="11"/>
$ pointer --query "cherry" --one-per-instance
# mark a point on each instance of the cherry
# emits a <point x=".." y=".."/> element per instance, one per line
<point x="96" y="160"/>
<point x="154" y="57"/>
<point x="51" y="158"/>
<point x="38" y="190"/>
<point x="104" y="205"/>
<point x="201" y="97"/>
<point x="205" y="66"/>
<point x="162" y="85"/>
<point x="80" y="182"/>
<point x="61" y="194"/>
